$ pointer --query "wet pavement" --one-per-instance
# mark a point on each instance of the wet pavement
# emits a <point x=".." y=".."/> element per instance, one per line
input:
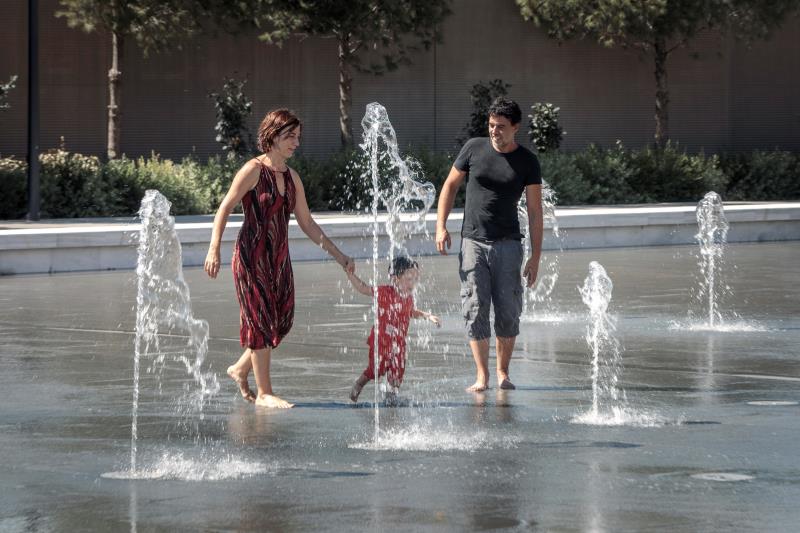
<point x="714" y="447"/>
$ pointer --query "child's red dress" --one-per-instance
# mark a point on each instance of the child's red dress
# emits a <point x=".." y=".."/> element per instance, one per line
<point x="394" y="314"/>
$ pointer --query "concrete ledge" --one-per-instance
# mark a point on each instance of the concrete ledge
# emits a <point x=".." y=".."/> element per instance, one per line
<point x="102" y="244"/>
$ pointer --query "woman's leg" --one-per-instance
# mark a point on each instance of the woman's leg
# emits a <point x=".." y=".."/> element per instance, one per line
<point x="261" y="361"/>
<point x="239" y="372"/>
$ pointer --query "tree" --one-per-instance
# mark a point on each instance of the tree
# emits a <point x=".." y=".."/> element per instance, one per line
<point x="544" y="131"/>
<point x="152" y="24"/>
<point x="373" y="36"/>
<point x="482" y="95"/>
<point x="656" y="28"/>
<point x="232" y="108"/>
<point x="5" y="88"/>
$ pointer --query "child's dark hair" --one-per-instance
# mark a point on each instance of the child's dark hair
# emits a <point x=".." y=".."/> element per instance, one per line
<point x="401" y="264"/>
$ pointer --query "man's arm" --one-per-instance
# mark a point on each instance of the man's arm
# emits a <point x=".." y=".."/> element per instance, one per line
<point x="533" y="199"/>
<point x="446" y="199"/>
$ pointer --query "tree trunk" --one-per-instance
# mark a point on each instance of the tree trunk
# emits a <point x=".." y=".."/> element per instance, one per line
<point x="345" y="92"/>
<point x="114" y="93"/>
<point x="662" y="93"/>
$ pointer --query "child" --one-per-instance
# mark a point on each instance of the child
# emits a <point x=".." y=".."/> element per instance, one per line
<point x="395" y="309"/>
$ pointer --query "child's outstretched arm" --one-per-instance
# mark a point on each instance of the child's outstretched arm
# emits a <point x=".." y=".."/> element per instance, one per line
<point x="416" y="313"/>
<point x="359" y="285"/>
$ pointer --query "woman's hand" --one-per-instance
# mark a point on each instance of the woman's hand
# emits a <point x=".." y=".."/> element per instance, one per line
<point x="348" y="264"/>
<point x="211" y="266"/>
<point x="435" y="319"/>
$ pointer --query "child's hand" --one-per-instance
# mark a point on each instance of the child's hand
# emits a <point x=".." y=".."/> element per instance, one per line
<point x="435" y="320"/>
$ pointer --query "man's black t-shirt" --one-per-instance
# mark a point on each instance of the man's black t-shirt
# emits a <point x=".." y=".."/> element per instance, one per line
<point x="495" y="182"/>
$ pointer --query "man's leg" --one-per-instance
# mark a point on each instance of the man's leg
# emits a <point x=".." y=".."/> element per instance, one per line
<point x="507" y="295"/>
<point x="476" y="297"/>
<point x="505" y="347"/>
<point x="480" y="352"/>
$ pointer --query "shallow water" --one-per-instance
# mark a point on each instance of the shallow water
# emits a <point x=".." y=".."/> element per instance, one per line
<point x="720" y="454"/>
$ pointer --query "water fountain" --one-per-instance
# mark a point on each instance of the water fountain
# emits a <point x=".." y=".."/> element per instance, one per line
<point x="609" y="401"/>
<point x="712" y="236"/>
<point x="401" y="192"/>
<point x="163" y="308"/>
<point x="539" y="299"/>
<point x="605" y="349"/>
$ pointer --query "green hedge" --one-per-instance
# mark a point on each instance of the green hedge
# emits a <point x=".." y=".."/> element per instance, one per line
<point x="75" y="185"/>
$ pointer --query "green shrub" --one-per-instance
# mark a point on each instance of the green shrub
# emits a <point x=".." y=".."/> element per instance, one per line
<point x="671" y="175"/>
<point x="762" y="175"/>
<point x="566" y="180"/>
<point x="608" y="175"/>
<point x="543" y="128"/>
<point x="13" y="187"/>
<point x="68" y="183"/>
<point x="482" y="95"/>
<point x="74" y="185"/>
<point x="232" y="109"/>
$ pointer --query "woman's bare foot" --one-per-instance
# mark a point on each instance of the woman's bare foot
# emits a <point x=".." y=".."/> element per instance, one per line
<point x="506" y="384"/>
<point x="478" y="386"/>
<point x="244" y="387"/>
<point x="273" y="402"/>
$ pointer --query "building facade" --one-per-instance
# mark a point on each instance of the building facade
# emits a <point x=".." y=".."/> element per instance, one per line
<point x="727" y="98"/>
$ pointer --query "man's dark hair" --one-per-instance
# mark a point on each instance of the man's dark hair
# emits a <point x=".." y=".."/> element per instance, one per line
<point x="401" y="264"/>
<point x="503" y="107"/>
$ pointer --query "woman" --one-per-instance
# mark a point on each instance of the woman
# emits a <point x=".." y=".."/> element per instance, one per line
<point x="262" y="270"/>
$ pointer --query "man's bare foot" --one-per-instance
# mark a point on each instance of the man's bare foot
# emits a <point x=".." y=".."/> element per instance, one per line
<point x="273" y="402"/>
<point x="244" y="387"/>
<point x="478" y="386"/>
<point x="506" y="384"/>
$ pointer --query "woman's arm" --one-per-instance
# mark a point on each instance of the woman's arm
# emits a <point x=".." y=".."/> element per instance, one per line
<point x="314" y="232"/>
<point x="245" y="179"/>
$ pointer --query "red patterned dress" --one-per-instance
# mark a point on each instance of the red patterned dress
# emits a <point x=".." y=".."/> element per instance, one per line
<point x="394" y="314"/>
<point x="262" y="268"/>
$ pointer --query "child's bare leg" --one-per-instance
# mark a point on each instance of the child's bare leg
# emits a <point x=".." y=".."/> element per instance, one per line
<point x="261" y="361"/>
<point x="239" y="371"/>
<point x="357" y="386"/>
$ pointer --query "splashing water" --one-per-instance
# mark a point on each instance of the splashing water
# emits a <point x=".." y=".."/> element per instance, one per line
<point x="187" y="467"/>
<point x="163" y="307"/>
<point x="427" y="435"/>
<point x="605" y="349"/>
<point x="540" y="298"/>
<point x="609" y="402"/>
<point x="712" y="236"/>
<point x="400" y="190"/>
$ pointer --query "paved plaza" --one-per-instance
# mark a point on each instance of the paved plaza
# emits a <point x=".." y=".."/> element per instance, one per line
<point x="715" y="447"/>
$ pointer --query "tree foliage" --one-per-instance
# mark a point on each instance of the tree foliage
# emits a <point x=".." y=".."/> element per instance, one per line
<point x="391" y="29"/>
<point x="6" y="88"/>
<point x="656" y="27"/>
<point x="152" y="24"/>
<point x="232" y="108"/>
<point x="373" y="36"/>
<point x="482" y="95"/>
<point x="544" y="131"/>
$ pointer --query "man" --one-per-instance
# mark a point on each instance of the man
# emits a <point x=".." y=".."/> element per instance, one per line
<point x="497" y="171"/>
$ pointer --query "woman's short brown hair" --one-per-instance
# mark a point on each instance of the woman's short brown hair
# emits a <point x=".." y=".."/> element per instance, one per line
<point x="276" y="122"/>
